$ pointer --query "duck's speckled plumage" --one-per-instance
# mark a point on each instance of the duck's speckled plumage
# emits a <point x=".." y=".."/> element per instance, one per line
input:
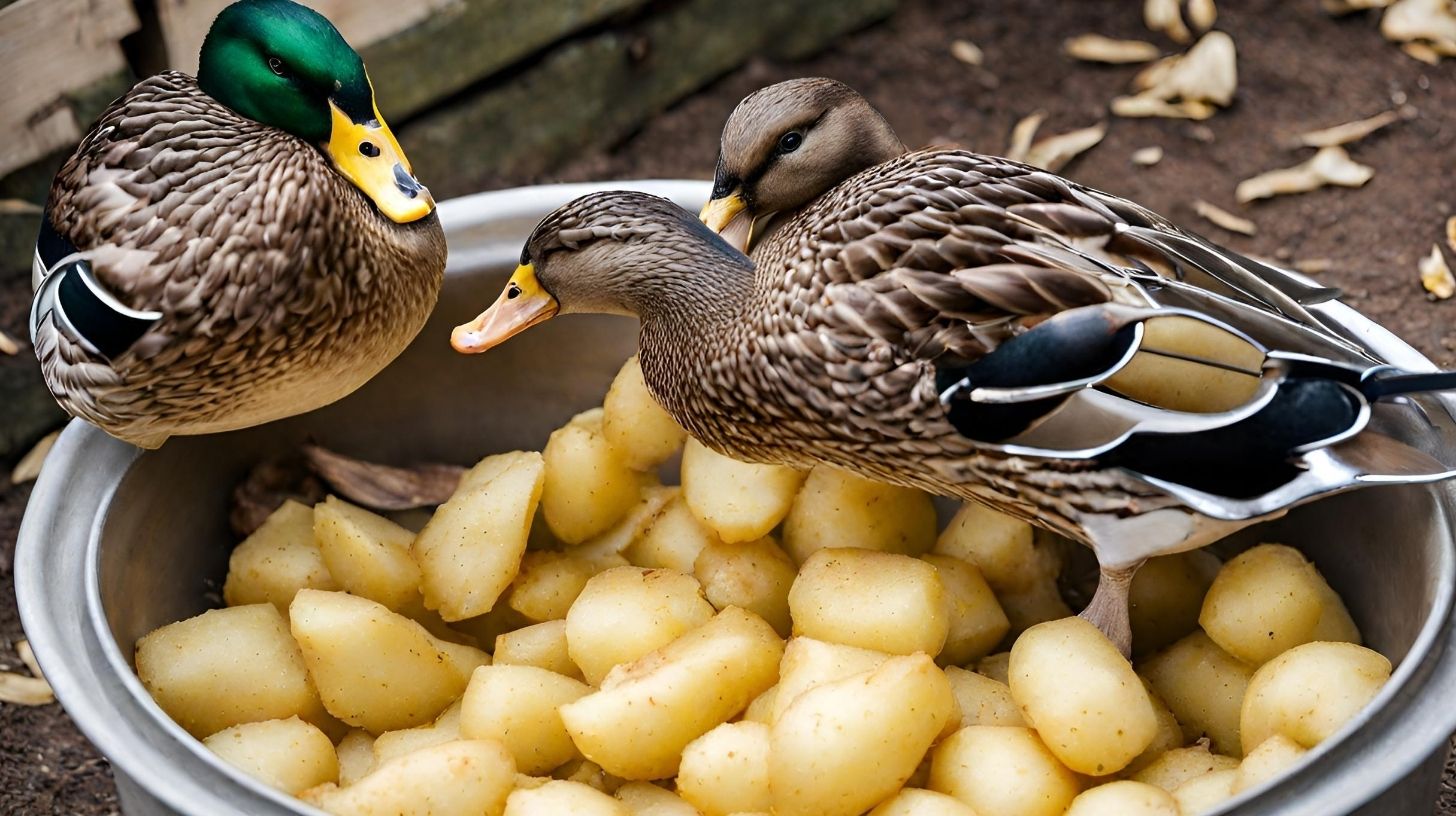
<point x="282" y="288"/>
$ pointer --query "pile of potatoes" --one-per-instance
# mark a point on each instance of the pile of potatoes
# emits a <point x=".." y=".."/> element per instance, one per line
<point x="568" y="635"/>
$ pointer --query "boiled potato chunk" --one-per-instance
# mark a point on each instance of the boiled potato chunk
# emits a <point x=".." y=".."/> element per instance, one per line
<point x="1124" y="798"/>
<point x="1310" y="691"/>
<point x="981" y="700"/>
<point x="755" y="575"/>
<point x="921" y="802"/>
<point x="368" y="555"/>
<point x="726" y="770"/>
<point x="1202" y="794"/>
<point x="977" y="622"/>
<point x="226" y="667"/>
<point x="394" y="744"/>
<point x="518" y="705"/>
<point x="589" y="773"/>
<point x="1204" y="688"/>
<point x="374" y="668"/>
<point x="548" y="584"/>
<point x="606" y="550"/>
<point x="627" y="612"/>
<point x="673" y="540"/>
<point x="542" y="645"/>
<point x="1264" y="601"/>
<point x="1179" y="765"/>
<point x="559" y="797"/>
<point x="277" y="560"/>
<point x="1001" y="547"/>
<point x="290" y="754"/>
<point x="1041" y="602"/>
<point x="835" y="508"/>
<point x="842" y="747"/>
<point x="471" y="549"/>
<point x="809" y="663"/>
<point x="996" y="666"/>
<point x="1168" y="736"/>
<point x="647" y="799"/>
<point x="356" y="756"/>
<point x="588" y="486"/>
<point x="1265" y="761"/>
<point x="1166" y="596"/>
<point x="762" y="708"/>
<point x="1004" y="771"/>
<point x="1335" y="624"/>
<point x="462" y="778"/>
<point x="646" y="712"/>
<point x="1095" y="724"/>
<point x="738" y="500"/>
<point x="873" y="600"/>
<point x="643" y="434"/>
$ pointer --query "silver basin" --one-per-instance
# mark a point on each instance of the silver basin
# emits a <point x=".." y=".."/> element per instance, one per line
<point x="116" y="543"/>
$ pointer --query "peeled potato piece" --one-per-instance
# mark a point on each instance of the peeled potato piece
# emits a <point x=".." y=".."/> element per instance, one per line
<point x="462" y="778"/>
<point x="542" y="645"/>
<point x="518" y="705"/>
<point x="739" y="500"/>
<point x="1169" y="734"/>
<point x="1001" y="547"/>
<point x="1179" y="765"/>
<point x="548" y="583"/>
<point x="226" y="667"/>
<point x="471" y="549"/>
<point x="921" y="802"/>
<point x="368" y="555"/>
<point x="1166" y="596"/>
<point x="1204" y="688"/>
<point x="673" y="540"/>
<point x="808" y="663"/>
<point x="727" y="770"/>
<point x="844" y="746"/>
<point x="1003" y="771"/>
<point x="755" y="575"/>
<point x="588" y="487"/>
<point x="1267" y="760"/>
<point x="1309" y="692"/>
<point x="981" y="700"/>
<point x="356" y="756"/>
<point x="1124" y="798"/>
<point x="873" y="600"/>
<point x="1095" y="724"/>
<point x="558" y="797"/>
<point x="290" y="754"/>
<point x="394" y="744"/>
<point x="1264" y="601"/>
<point x="627" y="612"/>
<point x="646" y="712"/>
<point x="642" y="433"/>
<point x="277" y="560"/>
<point x="835" y="508"/>
<point x="1202" y="794"/>
<point x="647" y="799"/>
<point x="977" y="622"/>
<point x="374" y="668"/>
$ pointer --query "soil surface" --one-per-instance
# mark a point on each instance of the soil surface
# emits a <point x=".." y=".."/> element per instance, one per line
<point x="1298" y="70"/>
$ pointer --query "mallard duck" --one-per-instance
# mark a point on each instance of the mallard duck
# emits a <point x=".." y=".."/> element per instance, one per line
<point x="979" y="328"/>
<point x="228" y="250"/>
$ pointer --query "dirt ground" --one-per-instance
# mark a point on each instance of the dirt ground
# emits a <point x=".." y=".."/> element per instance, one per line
<point x="1298" y="70"/>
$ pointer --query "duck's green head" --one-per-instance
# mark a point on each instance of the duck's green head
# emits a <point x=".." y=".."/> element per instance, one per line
<point x="285" y="65"/>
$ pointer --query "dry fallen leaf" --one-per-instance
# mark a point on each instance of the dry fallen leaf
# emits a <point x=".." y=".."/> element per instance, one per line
<point x="1421" y="52"/>
<point x="1185" y="86"/>
<point x="27" y="656"/>
<point x="1436" y="275"/>
<point x="1224" y="218"/>
<point x="1053" y="152"/>
<point x="1341" y="7"/>
<point x="1202" y="14"/>
<point x="8" y="345"/>
<point x="1314" y="266"/>
<point x="967" y="52"/>
<point x="1097" y="48"/>
<point x="19" y="206"/>
<point x="1348" y="132"/>
<point x="1022" y="135"/>
<point x="22" y="690"/>
<point x="1329" y="166"/>
<point x="1451" y="233"/>
<point x="28" y="468"/>
<point x="1432" y="22"/>
<point x="1137" y="106"/>
<point x="1147" y="156"/>
<point x="1164" y="16"/>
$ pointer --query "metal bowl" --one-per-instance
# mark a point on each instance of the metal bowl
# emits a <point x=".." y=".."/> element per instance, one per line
<point x="116" y="543"/>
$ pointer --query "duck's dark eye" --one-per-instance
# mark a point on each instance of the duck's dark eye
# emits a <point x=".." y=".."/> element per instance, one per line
<point x="369" y="149"/>
<point x="513" y="292"/>
<point x="790" y="141"/>
<point x="276" y="66"/>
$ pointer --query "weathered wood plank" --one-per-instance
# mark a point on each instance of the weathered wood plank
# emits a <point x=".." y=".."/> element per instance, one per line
<point x="54" y="47"/>
<point x="185" y="22"/>
<point x="595" y="90"/>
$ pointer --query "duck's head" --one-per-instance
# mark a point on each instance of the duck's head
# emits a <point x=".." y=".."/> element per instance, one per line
<point x="624" y="253"/>
<point x="285" y="65"/>
<point x="786" y="145"/>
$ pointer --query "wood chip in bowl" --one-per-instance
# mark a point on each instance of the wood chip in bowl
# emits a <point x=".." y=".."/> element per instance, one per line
<point x="1097" y="48"/>
<point x="1224" y="218"/>
<point x="1348" y="132"/>
<point x="1147" y="156"/>
<point x="1329" y="166"/>
<point x="967" y="52"/>
<point x="1436" y="275"/>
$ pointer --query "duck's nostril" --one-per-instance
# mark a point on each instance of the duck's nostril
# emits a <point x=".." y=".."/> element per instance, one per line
<point x="369" y="149"/>
<point x="406" y="182"/>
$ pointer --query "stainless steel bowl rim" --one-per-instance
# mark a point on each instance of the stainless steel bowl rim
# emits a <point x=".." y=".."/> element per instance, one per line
<point x="97" y="686"/>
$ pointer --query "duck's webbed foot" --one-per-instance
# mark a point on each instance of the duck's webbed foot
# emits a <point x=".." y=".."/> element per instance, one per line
<point x="1108" y="610"/>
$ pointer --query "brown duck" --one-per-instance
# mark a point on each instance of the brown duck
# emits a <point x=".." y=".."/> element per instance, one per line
<point x="977" y="328"/>
<point x="236" y="248"/>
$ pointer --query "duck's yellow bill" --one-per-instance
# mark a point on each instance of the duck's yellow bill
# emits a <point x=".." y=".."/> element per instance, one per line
<point x="522" y="305"/>
<point x="719" y="212"/>
<point x="370" y="158"/>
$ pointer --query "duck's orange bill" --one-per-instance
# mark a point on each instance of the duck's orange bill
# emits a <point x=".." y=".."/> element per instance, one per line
<point x="522" y="305"/>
